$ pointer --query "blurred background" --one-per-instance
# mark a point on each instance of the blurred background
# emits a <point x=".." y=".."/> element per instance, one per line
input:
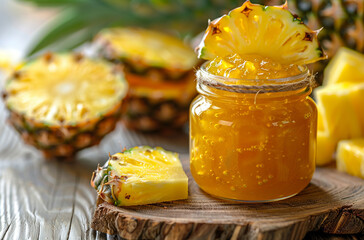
<point x="21" y="24"/>
<point x="31" y="27"/>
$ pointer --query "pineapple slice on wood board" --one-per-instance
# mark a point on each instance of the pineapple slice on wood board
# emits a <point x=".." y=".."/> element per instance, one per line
<point x="62" y="103"/>
<point x="141" y="175"/>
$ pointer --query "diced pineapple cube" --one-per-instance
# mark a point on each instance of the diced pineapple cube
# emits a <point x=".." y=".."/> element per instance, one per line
<point x="321" y="120"/>
<point x="346" y="66"/>
<point x="350" y="157"/>
<point x="340" y="106"/>
<point x="326" y="147"/>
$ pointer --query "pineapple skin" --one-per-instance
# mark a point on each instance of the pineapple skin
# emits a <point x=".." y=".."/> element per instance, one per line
<point x="158" y="110"/>
<point x="63" y="142"/>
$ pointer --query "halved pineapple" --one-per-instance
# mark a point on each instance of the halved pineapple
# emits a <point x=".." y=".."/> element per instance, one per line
<point x="159" y="69"/>
<point x="62" y="103"/>
<point x="141" y="49"/>
<point x="266" y="31"/>
<point x="350" y="157"/>
<point x="141" y="175"/>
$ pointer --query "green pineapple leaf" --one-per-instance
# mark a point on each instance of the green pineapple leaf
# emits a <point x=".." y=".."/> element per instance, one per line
<point x="80" y="20"/>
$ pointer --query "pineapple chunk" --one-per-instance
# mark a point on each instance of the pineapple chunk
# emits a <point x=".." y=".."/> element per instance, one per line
<point x="141" y="175"/>
<point x="346" y="66"/>
<point x="339" y="104"/>
<point x="350" y="157"/>
<point x="321" y="120"/>
<point x="325" y="148"/>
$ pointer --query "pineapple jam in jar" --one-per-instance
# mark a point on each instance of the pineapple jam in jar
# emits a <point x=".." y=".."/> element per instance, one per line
<point x="253" y="140"/>
<point x="253" y="125"/>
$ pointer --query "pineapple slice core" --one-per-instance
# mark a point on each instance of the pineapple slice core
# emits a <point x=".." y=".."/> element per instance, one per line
<point x="148" y="175"/>
<point x="65" y="88"/>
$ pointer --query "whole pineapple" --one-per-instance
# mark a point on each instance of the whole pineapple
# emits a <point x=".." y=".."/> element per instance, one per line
<point x="62" y="103"/>
<point x="159" y="70"/>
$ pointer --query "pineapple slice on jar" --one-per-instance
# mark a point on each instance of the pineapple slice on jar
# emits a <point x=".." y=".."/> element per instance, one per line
<point x="269" y="31"/>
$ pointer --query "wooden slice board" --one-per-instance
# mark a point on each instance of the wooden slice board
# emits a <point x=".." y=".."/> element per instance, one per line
<point x="332" y="203"/>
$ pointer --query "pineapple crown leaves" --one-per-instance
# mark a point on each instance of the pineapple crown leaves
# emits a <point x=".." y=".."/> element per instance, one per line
<point x="80" y="20"/>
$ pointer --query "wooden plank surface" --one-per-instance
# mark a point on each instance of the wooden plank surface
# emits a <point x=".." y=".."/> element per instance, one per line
<point x="332" y="203"/>
<point x="53" y="200"/>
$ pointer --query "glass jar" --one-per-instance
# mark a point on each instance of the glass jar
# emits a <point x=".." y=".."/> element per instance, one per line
<point x="253" y="140"/>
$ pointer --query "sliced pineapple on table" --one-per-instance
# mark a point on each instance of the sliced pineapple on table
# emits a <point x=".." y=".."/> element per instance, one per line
<point x="346" y="66"/>
<point x="159" y="69"/>
<point x="350" y="157"/>
<point x="62" y="103"/>
<point x="141" y="175"/>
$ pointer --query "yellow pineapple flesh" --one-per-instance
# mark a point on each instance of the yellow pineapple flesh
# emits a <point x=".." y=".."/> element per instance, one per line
<point x="338" y="104"/>
<point x="61" y="103"/>
<point x="266" y="31"/>
<point x="326" y="146"/>
<point x="350" y="157"/>
<point x="147" y="47"/>
<point x="141" y="175"/>
<point x="346" y="66"/>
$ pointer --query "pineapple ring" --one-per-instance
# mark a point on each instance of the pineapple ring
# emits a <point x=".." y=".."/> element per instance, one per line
<point x="268" y="31"/>
<point x="64" y="88"/>
<point x="149" y="48"/>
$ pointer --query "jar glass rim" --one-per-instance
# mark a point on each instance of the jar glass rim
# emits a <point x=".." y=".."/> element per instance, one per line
<point x="304" y="73"/>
